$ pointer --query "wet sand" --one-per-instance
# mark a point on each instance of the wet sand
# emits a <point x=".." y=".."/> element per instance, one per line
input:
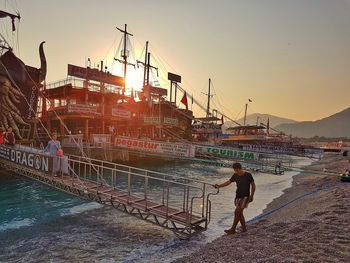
<point x="310" y="222"/>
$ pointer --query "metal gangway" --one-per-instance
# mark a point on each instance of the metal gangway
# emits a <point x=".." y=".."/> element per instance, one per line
<point x="179" y="204"/>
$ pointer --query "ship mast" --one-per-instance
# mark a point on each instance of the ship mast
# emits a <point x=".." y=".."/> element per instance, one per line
<point x="147" y="66"/>
<point x="245" y="112"/>
<point x="209" y="97"/>
<point x="145" y="70"/>
<point x="124" y="55"/>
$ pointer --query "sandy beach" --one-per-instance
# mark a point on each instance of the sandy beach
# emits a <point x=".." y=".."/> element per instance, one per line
<point x="308" y="223"/>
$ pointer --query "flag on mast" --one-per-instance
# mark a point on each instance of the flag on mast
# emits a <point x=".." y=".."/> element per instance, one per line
<point x="184" y="100"/>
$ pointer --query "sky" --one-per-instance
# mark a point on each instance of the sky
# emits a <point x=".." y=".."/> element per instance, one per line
<point x="291" y="58"/>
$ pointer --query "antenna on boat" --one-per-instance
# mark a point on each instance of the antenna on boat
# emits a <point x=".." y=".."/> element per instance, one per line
<point x="245" y="112"/>
<point x="125" y="54"/>
<point x="209" y="97"/>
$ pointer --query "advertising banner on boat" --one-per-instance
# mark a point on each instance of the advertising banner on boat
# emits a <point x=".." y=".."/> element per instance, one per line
<point x="155" y="90"/>
<point x="170" y="121"/>
<point x="73" y="140"/>
<point x="94" y="74"/>
<point x="206" y="128"/>
<point x="223" y="152"/>
<point x="173" y="149"/>
<point x="101" y="138"/>
<point x="157" y="120"/>
<point x="151" y="120"/>
<point x="121" y="113"/>
<point x="29" y="159"/>
<point x="82" y="108"/>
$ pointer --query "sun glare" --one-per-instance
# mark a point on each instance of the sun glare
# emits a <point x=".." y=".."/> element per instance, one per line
<point x="134" y="79"/>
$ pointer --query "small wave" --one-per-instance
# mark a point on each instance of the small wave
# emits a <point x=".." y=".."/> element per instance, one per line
<point x="80" y="208"/>
<point x="16" y="224"/>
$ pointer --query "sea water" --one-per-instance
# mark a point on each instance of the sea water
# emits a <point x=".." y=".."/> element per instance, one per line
<point x="39" y="223"/>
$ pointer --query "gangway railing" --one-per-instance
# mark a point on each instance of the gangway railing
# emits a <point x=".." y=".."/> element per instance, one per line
<point x="178" y="203"/>
<point x="182" y="203"/>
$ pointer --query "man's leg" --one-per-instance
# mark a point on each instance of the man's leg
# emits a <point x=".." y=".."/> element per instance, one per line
<point x="242" y="221"/>
<point x="238" y="213"/>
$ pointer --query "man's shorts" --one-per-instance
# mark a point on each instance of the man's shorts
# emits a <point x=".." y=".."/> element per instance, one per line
<point x="242" y="202"/>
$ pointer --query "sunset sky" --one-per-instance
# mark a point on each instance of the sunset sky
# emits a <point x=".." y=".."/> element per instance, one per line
<point x="291" y="58"/>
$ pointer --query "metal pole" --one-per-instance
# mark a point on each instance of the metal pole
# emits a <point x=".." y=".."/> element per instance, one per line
<point x="163" y="190"/>
<point x="145" y="68"/>
<point x="146" y="187"/>
<point x="175" y="92"/>
<point x="129" y="183"/>
<point x="245" y="114"/>
<point x="148" y="66"/>
<point x="125" y="61"/>
<point x="208" y="104"/>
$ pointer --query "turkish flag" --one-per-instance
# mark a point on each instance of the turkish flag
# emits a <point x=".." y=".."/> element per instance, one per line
<point x="184" y="101"/>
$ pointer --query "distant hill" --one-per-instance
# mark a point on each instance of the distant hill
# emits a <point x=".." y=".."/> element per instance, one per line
<point x="337" y="125"/>
<point x="252" y="118"/>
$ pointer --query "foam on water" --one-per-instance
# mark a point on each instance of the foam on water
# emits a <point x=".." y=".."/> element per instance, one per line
<point x="16" y="224"/>
<point x="80" y="208"/>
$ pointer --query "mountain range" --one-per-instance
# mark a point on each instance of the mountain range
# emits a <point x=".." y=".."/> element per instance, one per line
<point x="262" y="118"/>
<point x="336" y="125"/>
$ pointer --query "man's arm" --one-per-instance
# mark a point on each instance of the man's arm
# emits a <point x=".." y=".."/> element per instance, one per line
<point x="223" y="184"/>
<point x="251" y="197"/>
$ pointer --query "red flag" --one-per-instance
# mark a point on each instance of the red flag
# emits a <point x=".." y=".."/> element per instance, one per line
<point x="222" y="119"/>
<point x="184" y="100"/>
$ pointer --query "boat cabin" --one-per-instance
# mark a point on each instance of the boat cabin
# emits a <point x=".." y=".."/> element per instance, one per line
<point x="96" y="104"/>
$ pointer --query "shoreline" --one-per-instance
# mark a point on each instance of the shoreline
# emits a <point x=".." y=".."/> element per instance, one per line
<point x="307" y="223"/>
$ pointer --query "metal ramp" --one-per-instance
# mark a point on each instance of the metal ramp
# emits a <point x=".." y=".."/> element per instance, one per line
<point x="179" y="204"/>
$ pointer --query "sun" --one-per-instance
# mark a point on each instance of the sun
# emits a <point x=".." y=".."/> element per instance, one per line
<point x="134" y="79"/>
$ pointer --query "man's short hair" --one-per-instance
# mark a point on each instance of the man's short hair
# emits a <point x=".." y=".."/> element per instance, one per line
<point x="237" y="166"/>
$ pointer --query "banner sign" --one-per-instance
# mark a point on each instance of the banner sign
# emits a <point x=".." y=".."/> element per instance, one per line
<point x="40" y="162"/>
<point x="73" y="140"/>
<point x="206" y="128"/>
<point x="101" y="138"/>
<point x="170" y="121"/>
<point x="151" y="120"/>
<point x="82" y="108"/>
<point x="174" y="149"/>
<point x="155" y="90"/>
<point x="95" y="74"/>
<point x="174" y="77"/>
<point x="156" y="120"/>
<point x="225" y="153"/>
<point x="121" y="113"/>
